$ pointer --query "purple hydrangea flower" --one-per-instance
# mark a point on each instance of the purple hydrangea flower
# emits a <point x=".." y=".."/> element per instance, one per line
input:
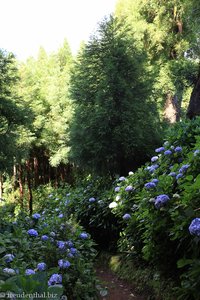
<point x="36" y="216"/>
<point x="150" y="185"/>
<point x="152" y="168"/>
<point x="41" y="266"/>
<point x="184" y="168"/>
<point x="117" y="188"/>
<point x="154" y="159"/>
<point x="158" y="150"/>
<point x="161" y="200"/>
<point x="44" y="238"/>
<point x="92" y="200"/>
<point x="8" y="258"/>
<point x="73" y="250"/>
<point x="64" y="264"/>
<point x="55" y="279"/>
<point x="173" y="174"/>
<point x="194" y="227"/>
<point x="32" y="232"/>
<point x="69" y="244"/>
<point x="196" y="152"/>
<point x="129" y="188"/>
<point x="178" y="149"/>
<point x="168" y="152"/>
<point x="83" y="235"/>
<point x="29" y="272"/>
<point x="61" y="245"/>
<point x="60" y="216"/>
<point x="155" y="180"/>
<point x="122" y="178"/>
<point x="180" y="175"/>
<point x="126" y="217"/>
<point x="9" y="271"/>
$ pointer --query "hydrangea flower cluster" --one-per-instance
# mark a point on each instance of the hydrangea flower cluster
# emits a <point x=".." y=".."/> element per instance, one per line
<point x="161" y="149"/>
<point x="9" y="271"/>
<point x="41" y="266"/>
<point x="150" y="185"/>
<point x="129" y="188"/>
<point x="122" y="178"/>
<point x="55" y="279"/>
<point x="83" y="235"/>
<point x="92" y="200"/>
<point x="36" y="216"/>
<point x="154" y="159"/>
<point x="32" y="232"/>
<point x="117" y="188"/>
<point x="29" y="272"/>
<point x="168" y="152"/>
<point x="126" y="216"/>
<point x="64" y="264"/>
<point x="44" y="237"/>
<point x="194" y="227"/>
<point x="161" y="200"/>
<point x="8" y="258"/>
<point x="152" y="168"/>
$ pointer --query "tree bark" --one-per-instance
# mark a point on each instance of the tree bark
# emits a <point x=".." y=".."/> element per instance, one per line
<point x="28" y="179"/>
<point x="172" y="110"/>
<point x="21" y="189"/>
<point x="194" y="104"/>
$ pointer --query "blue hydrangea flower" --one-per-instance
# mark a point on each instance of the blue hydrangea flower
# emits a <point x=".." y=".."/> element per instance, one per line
<point x="8" y="258"/>
<point x="64" y="264"/>
<point x="196" y="152"/>
<point x="158" y="150"/>
<point x="152" y="168"/>
<point x="29" y="272"/>
<point x="52" y="234"/>
<point x="173" y="174"/>
<point x="70" y="255"/>
<point x="161" y="200"/>
<point x="168" y="152"/>
<point x="180" y="175"/>
<point x="61" y="245"/>
<point x="194" y="227"/>
<point x="184" y="168"/>
<point x="92" y="200"/>
<point x="32" y="232"/>
<point x="83" y="235"/>
<point x="41" y="266"/>
<point x="178" y="149"/>
<point x="36" y="216"/>
<point x="155" y="180"/>
<point x="117" y="188"/>
<point x="126" y="217"/>
<point x="9" y="271"/>
<point x="60" y="216"/>
<point x="150" y="185"/>
<point x="73" y="250"/>
<point x="69" y="244"/>
<point x="154" y="158"/>
<point x="129" y="188"/>
<point x="55" y="279"/>
<point x="122" y="178"/>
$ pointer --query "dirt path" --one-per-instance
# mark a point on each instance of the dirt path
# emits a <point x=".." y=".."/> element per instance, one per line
<point x="117" y="288"/>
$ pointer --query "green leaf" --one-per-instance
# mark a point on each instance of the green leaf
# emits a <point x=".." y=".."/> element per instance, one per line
<point x="183" y="262"/>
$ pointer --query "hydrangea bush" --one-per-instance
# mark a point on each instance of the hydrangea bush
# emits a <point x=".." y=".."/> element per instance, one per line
<point x="160" y="215"/>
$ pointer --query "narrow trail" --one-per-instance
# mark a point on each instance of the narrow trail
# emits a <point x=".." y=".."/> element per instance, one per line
<point x="117" y="288"/>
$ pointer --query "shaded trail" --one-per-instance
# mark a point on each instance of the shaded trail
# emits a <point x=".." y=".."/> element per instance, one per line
<point x="117" y="288"/>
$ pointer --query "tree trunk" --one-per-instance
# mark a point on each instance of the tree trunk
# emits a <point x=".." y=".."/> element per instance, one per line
<point x="36" y="172"/>
<point x="28" y="179"/>
<point x="171" y="110"/>
<point x="21" y="190"/>
<point x="194" y="104"/>
<point x="1" y="187"/>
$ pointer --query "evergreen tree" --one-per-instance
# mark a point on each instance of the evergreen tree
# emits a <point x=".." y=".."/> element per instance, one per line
<point x="114" y="122"/>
